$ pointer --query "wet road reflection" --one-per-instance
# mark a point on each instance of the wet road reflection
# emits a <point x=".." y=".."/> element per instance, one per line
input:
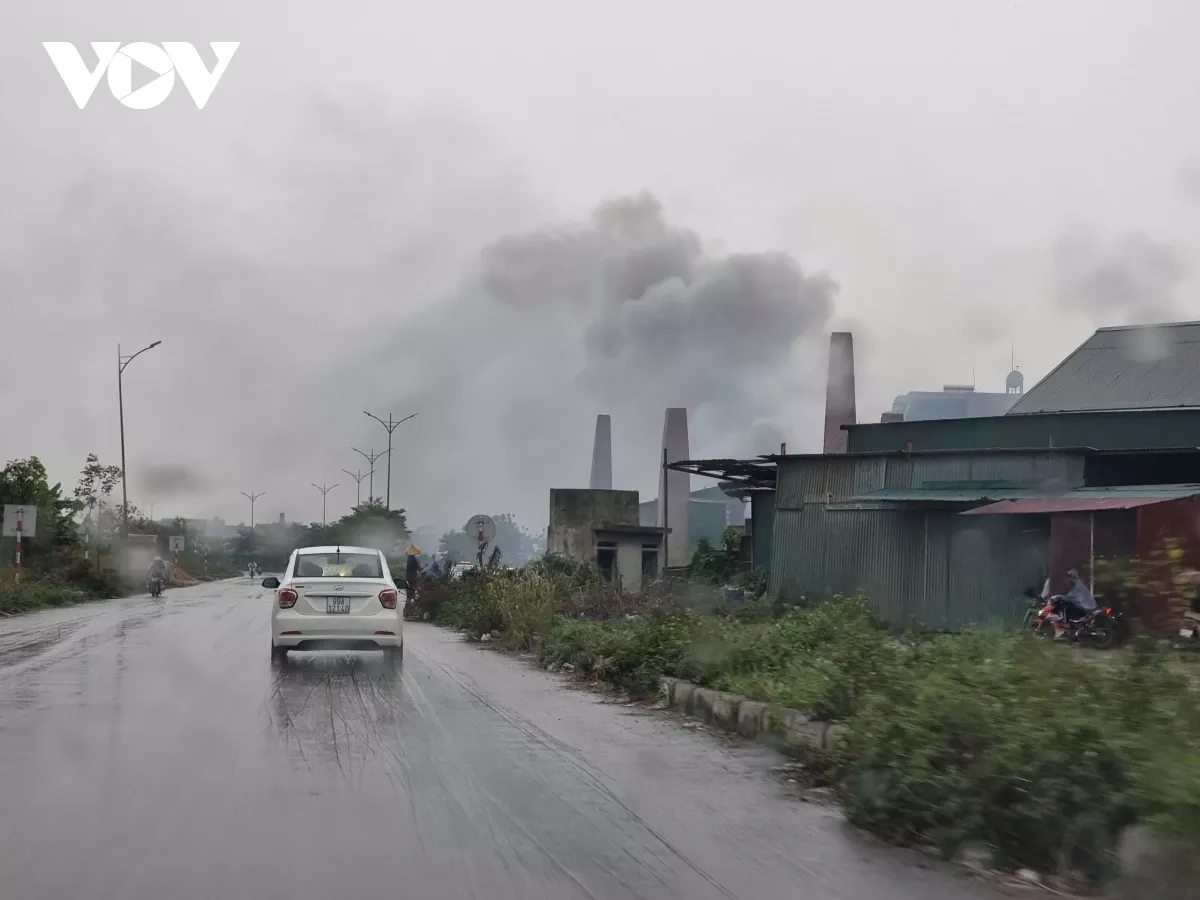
<point x="152" y="751"/>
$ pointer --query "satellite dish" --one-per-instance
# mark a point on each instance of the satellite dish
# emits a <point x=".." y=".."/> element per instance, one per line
<point x="481" y="528"/>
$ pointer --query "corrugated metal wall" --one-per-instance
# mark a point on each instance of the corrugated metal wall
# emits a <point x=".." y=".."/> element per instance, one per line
<point x="1119" y="430"/>
<point x="935" y="567"/>
<point x="928" y="565"/>
<point x="762" y="527"/>
<point x="1036" y="470"/>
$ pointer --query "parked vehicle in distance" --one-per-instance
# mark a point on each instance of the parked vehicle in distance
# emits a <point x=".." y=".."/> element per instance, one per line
<point x="336" y="598"/>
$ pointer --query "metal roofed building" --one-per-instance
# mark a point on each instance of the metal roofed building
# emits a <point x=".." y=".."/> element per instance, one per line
<point x="951" y="402"/>
<point x="1123" y="368"/>
<point x="1126" y="388"/>
<point x="951" y="538"/>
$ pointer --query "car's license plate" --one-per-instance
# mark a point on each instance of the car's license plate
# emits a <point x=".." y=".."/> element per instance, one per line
<point x="1186" y="632"/>
<point x="337" y="604"/>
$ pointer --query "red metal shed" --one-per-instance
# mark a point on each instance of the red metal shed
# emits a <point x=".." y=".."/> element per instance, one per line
<point x="1128" y="521"/>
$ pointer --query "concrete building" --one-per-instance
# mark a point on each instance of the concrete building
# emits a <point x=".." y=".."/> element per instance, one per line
<point x="602" y="528"/>
<point x="954" y="401"/>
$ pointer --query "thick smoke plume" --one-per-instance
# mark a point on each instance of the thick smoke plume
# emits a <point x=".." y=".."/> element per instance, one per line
<point x="624" y="314"/>
<point x="363" y="264"/>
<point x="1132" y="280"/>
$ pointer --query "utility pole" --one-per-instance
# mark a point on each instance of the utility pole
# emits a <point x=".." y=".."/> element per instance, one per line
<point x="324" y="492"/>
<point x="358" y="478"/>
<point x="122" y="362"/>
<point x="252" y="498"/>
<point x="370" y="458"/>
<point x="390" y="426"/>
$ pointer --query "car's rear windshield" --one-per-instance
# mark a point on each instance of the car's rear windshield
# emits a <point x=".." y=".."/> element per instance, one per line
<point x="338" y="565"/>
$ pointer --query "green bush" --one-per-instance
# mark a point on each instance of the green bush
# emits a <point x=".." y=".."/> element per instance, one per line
<point x="999" y="739"/>
<point x="632" y="653"/>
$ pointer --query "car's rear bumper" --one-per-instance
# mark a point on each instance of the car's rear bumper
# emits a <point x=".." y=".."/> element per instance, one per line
<point x="324" y="643"/>
<point x="290" y="629"/>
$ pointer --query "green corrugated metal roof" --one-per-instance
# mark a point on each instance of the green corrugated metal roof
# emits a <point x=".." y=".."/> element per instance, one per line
<point x="937" y="495"/>
<point x="1130" y="367"/>
<point x="975" y="495"/>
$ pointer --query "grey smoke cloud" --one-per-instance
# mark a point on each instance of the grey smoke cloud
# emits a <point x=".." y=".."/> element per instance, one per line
<point x="1130" y="280"/>
<point x="394" y="264"/>
<point x="625" y="313"/>
<point x="172" y="481"/>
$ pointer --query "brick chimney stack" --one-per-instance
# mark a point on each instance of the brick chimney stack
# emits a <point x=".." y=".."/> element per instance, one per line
<point x="839" y="392"/>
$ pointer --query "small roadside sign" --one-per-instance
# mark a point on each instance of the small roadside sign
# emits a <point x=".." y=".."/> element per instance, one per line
<point x="482" y="528"/>
<point x="176" y="543"/>
<point x="20" y="520"/>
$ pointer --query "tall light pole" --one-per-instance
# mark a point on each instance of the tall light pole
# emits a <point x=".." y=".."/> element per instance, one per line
<point x="324" y="489"/>
<point x="252" y="498"/>
<point x="122" y="362"/>
<point x="370" y="458"/>
<point x="358" y="478"/>
<point x="390" y="426"/>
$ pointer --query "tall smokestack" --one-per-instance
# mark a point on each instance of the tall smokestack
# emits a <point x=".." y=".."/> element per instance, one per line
<point x="839" y="391"/>
<point x="602" y="455"/>
<point x="676" y="485"/>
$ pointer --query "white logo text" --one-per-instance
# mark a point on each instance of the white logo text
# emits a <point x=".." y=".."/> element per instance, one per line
<point x="163" y="60"/>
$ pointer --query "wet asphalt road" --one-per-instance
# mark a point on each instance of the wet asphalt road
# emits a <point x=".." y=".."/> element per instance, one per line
<point x="150" y="751"/>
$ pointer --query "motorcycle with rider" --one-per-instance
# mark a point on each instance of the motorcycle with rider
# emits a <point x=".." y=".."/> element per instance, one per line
<point x="157" y="576"/>
<point x="1075" y="616"/>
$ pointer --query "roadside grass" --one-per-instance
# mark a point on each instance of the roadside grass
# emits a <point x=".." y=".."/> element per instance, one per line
<point x="41" y="590"/>
<point x="986" y="739"/>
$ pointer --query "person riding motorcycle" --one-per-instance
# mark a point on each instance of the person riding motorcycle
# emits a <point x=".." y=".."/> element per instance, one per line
<point x="1076" y="603"/>
<point x="158" y="569"/>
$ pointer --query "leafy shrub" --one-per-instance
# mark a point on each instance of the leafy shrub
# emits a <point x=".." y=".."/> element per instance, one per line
<point x="717" y="565"/>
<point x="632" y="653"/>
<point x="999" y="739"/>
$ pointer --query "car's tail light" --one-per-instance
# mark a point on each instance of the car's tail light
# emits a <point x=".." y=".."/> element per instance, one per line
<point x="1108" y="611"/>
<point x="287" y="598"/>
<point x="387" y="597"/>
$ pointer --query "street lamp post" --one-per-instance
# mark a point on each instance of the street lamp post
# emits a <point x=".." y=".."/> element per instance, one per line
<point x="324" y="489"/>
<point x="370" y="458"/>
<point x="358" y="480"/>
<point x="122" y="362"/>
<point x="252" y="498"/>
<point x="390" y="426"/>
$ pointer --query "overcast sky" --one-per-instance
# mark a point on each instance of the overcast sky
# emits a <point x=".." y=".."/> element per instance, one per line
<point x="509" y="217"/>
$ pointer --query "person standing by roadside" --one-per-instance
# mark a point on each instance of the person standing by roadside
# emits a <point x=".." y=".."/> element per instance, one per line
<point x="412" y="578"/>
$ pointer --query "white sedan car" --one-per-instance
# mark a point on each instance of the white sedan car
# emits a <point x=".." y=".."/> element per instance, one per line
<point x="336" y="598"/>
